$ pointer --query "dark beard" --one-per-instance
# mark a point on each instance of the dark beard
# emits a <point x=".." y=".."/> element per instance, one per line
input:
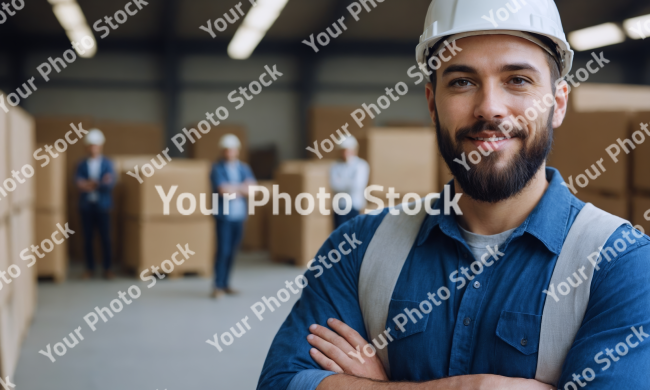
<point x="485" y="182"/>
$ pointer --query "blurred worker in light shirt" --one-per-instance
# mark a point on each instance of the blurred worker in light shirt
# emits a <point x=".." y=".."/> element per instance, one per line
<point x="349" y="176"/>
<point x="229" y="176"/>
<point x="95" y="179"/>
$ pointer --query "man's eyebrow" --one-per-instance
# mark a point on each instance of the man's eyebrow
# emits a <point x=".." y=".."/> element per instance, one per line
<point x="459" y="68"/>
<point x="519" y="66"/>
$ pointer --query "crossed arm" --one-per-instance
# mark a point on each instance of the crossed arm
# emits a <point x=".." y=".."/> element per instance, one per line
<point x="334" y="351"/>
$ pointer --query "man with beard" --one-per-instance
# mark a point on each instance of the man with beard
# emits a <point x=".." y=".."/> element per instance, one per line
<point x="472" y="301"/>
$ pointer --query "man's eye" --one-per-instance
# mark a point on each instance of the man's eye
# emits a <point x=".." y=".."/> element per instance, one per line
<point x="518" y="81"/>
<point x="460" y="83"/>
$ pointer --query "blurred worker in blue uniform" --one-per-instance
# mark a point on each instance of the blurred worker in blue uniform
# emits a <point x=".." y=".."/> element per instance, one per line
<point x="229" y="176"/>
<point x="95" y="179"/>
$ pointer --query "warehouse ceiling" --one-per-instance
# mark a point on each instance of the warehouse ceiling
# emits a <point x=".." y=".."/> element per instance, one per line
<point x="392" y="20"/>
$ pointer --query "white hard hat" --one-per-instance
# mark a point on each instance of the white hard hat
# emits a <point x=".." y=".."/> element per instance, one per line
<point x="95" y="137"/>
<point x="229" y="141"/>
<point x="348" y="143"/>
<point x="464" y="18"/>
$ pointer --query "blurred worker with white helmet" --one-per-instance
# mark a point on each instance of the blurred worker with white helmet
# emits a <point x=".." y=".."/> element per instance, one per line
<point x="500" y="283"/>
<point x="95" y="179"/>
<point x="349" y="176"/>
<point x="229" y="176"/>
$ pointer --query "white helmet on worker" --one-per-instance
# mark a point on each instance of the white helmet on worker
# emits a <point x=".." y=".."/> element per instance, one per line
<point x="348" y="143"/>
<point x="455" y="19"/>
<point x="229" y="141"/>
<point x="95" y="137"/>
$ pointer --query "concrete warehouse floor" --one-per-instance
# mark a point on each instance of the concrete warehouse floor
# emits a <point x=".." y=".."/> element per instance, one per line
<point x="159" y="340"/>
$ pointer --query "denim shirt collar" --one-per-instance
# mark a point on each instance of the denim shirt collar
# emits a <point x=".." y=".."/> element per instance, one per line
<point x="547" y="222"/>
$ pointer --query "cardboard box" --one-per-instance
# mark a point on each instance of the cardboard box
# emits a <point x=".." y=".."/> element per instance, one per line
<point x="24" y="290"/>
<point x="191" y="176"/>
<point x="303" y="176"/>
<point x="256" y="229"/>
<point x="297" y="238"/>
<point x="55" y="263"/>
<point x="5" y="262"/>
<point x="641" y="212"/>
<point x="51" y="185"/>
<point x="594" y="97"/>
<point x="617" y="205"/>
<point x="21" y="147"/>
<point x="324" y="122"/>
<point x="207" y="147"/>
<point x="5" y="198"/>
<point x="132" y="138"/>
<point x="403" y="158"/>
<point x="148" y="242"/>
<point x="581" y="142"/>
<point x="641" y="155"/>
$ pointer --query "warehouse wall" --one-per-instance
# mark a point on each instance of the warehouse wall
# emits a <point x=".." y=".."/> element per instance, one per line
<point x="270" y="117"/>
<point x="127" y="87"/>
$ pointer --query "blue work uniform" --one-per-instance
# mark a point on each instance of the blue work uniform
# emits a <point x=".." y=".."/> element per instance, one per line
<point x="489" y="325"/>
<point x="94" y="208"/>
<point x="230" y="226"/>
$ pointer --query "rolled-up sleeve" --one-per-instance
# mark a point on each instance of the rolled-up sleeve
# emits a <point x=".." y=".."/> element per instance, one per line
<point x="308" y="379"/>
<point x="612" y="347"/>
<point x="331" y="293"/>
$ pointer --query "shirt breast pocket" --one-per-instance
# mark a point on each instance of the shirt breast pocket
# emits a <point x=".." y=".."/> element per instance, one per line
<point x="409" y="315"/>
<point x="517" y="343"/>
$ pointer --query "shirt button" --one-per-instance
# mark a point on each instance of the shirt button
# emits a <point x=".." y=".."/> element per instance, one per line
<point x="524" y="342"/>
<point x="477" y="284"/>
<point x="467" y="321"/>
<point x="396" y="328"/>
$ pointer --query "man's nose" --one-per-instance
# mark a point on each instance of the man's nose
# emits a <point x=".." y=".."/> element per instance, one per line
<point x="490" y="104"/>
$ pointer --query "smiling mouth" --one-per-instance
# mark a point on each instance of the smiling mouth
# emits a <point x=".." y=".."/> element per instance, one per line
<point x="490" y="139"/>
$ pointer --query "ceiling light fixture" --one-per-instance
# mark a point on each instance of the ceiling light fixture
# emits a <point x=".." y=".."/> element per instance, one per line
<point x="255" y="25"/>
<point x="637" y="28"/>
<point x="73" y="21"/>
<point x="597" y="36"/>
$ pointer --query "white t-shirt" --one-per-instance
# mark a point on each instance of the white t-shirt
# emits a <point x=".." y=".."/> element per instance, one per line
<point x="351" y="178"/>
<point x="94" y="173"/>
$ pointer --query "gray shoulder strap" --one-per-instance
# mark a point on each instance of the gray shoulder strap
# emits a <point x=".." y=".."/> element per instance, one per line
<point x="561" y="319"/>
<point x="381" y="267"/>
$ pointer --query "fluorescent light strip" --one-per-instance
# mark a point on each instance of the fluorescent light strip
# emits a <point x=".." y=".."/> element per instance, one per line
<point x="255" y="25"/>
<point x="596" y="36"/>
<point x="73" y="21"/>
<point x="637" y="28"/>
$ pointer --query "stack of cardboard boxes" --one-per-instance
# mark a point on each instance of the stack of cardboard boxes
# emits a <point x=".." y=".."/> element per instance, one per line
<point x="51" y="191"/>
<point x="151" y="232"/>
<point x="18" y="299"/>
<point x="580" y="144"/>
<point x="403" y="158"/>
<point x="327" y="123"/>
<point x="8" y="341"/>
<point x="296" y="238"/>
<point x="604" y="117"/>
<point x="641" y="174"/>
<point x="256" y="237"/>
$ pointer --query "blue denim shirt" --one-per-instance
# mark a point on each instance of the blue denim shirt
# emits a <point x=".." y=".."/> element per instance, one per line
<point x="104" y="191"/>
<point x="480" y="327"/>
<point x="220" y="176"/>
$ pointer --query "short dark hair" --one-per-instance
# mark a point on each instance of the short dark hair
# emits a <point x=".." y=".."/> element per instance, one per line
<point x="553" y="61"/>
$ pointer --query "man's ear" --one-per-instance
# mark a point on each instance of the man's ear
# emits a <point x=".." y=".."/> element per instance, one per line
<point x="561" y="103"/>
<point x="428" y="90"/>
